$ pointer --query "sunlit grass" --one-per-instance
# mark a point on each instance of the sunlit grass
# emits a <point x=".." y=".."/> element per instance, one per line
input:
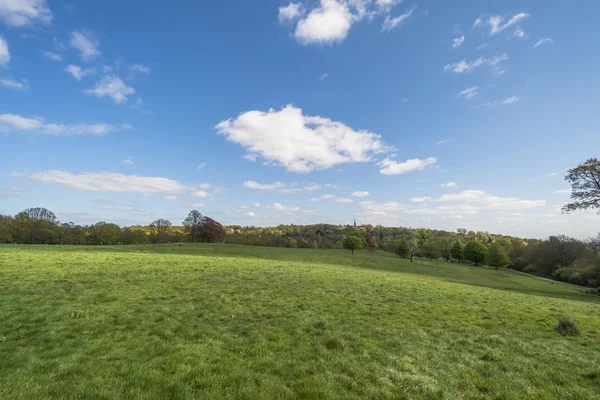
<point x="210" y="321"/>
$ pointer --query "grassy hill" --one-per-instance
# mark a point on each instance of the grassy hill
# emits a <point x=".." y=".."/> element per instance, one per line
<point x="222" y="321"/>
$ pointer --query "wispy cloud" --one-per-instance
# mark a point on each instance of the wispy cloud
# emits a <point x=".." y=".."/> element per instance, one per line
<point x="113" y="87"/>
<point x="4" y="53"/>
<point x="391" y="23"/>
<point x="18" y="123"/>
<point x="15" y="85"/>
<point x="86" y="43"/>
<point x="391" y="167"/>
<point x="52" y="56"/>
<point x="449" y="185"/>
<point x="361" y="194"/>
<point x="443" y="141"/>
<point x="543" y="41"/>
<point x="510" y="100"/>
<point x="497" y="23"/>
<point x="468" y="66"/>
<point x="128" y="160"/>
<point x="140" y="69"/>
<point x="25" y="13"/>
<point x="79" y="73"/>
<point x="457" y="42"/>
<point x="264" y="186"/>
<point x="468" y="93"/>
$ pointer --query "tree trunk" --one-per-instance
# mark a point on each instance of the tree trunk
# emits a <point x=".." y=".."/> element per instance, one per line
<point x="412" y="255"/>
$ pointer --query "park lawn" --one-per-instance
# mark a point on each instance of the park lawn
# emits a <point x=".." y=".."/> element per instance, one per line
<point x="241" y="322"/>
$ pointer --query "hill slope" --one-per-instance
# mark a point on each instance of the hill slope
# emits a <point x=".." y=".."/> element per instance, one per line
<point x="210" y="321"/>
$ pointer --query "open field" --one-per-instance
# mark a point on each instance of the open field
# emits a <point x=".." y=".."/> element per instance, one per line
<point x="241" y="322"/>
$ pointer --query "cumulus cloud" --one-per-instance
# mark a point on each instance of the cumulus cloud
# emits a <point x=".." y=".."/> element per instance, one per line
<point x="391" y="167"/>
<point x="361" y="194"/>
<point x="269" y="187"/>
<point x="291" y="12"/>
<point x="52" y="56"/>
<point x="86" y="44"/>
<point x="468" y="93"/>
<point x="201" y="194"/>
<point x="15" y="85"/>
<point x="111" y="86"/>
<point x="298" y="142"/>
<point x="77" y="72"/>
<point x="456" y="42"/>
<point x="24" y="13"/>
<point x="497" y="23"/>
<point x="13" y="122"/>
<point x="468" y="66"/>
<point x="543" y="41"/>
<point x="4" y="53"/>
<point x="110" y="182"/>
<point x="282" y="208"/>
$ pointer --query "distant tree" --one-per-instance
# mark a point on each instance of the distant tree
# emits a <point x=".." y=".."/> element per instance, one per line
<point x="445" y="244"/>
<point x="293" y="244"/>
<point x="103" y="233"/>
<point x="371" y="244"/>
<point x="211" y="231"/>
<point x="497" y="256"/>
<point x="585" y="186"/>
<point x="193" y="224"/>
<point x="461" y="231"/>
<point x="5" y="228"/>
<point x="430" y="250"/>
<point x="402" y="249"/>
<point x="458" y="251"/>
<point x="354" y="242"/>
<point x="475" y="252"/>
<point x="160" y="228"/>
<point x="413" y="244"/>
<point x="42" y="226"/>
<point x="594" y="243"/>
<point x="41" y="214"/>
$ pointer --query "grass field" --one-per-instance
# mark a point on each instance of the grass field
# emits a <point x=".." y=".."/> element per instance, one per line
<point x="239" y="322"/>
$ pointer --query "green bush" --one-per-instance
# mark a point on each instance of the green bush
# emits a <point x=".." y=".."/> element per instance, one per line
<point x="293" y="243"/>
<point x="567" y="326"/>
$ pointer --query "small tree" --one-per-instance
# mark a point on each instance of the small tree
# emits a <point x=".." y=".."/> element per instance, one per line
<point x="497" y="256"/>
<point x="430" y="250"/>
<point x="402" y="249"/>
<point x="585" y="186"/>
<point x="353" y="242"/>
<point x="458" y="251"/>
<point x="475" y="252"/>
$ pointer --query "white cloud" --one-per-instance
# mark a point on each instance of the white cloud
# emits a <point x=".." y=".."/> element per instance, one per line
<point x="563" y="191"/>
<point x="456" y="42"/>
<point x="201" y="194"/>
<point x="449" y="185"/>
<point x="289" y="13"/>
<point x="312" y="187"/>
<point x="139" y="68"/>
<point x="391" y="23"/>
<point x="170" y="198"/>
<point x="52" y="56"/>
<point x="520" y="33"/>
<point x="111" y="86"/>
<point x="204" y="186"/>
<point x="110" y="182"/>
<point x="314" y="200"/>
<point x="478" y="22"/>
<point x="331" y="186"/>
<point x="282" y="208"/>
<point x="342" y="200"/>
<point x="361" y="194"/>
<point x="496" y="22"/>
<point x="290" y="191"/>
<point x="543" y="41"/>
<point x="86" y="43"/>
<point x="22" y="13"/>
<point x="77" y="72"/>
<point x="12" y="122"/>
<point x="552" y="174"/>
<point x="199" y="205"/>
<point x="391" y="167"/>
<point x="468" y="93"/>
<point x="326" y="24"/>
<point x="466" y="66"/>
<point x="264" y="186"/>
<point x="491" y="202"/>
<point x="510" y="100"/>
<point x="108" y="207"/>
<point x="13" y="84"/>
<point x="444" y="141"/>
<point x="420" y="199"/>
<point x="323" y="77"/>
<point x="4" y="54"/>
<point x="202" y="165"/>
<point x="300" y="143"/>
<point x="128" y="160"/>
<point x="328" y="196"/>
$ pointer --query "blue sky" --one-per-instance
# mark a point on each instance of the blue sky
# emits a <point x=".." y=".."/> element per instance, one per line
<point x="412" y="113"/>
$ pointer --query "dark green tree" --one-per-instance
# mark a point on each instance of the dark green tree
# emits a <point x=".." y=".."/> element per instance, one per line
<point x="458" y="251"/>
<point x="585" y="186"/>
<point x="430" y="250"/>
<point x="402" y="249"/>
<point x="476" y="252"/>
<point x="497" y="256"/>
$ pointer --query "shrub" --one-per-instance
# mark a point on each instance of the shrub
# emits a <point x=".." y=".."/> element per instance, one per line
<point x="293" y="243"/>
<point x="567" y="327"/>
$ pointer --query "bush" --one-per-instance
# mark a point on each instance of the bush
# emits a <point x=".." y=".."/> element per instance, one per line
<point x="567" y="327"/>
<point x="293" y="243"/>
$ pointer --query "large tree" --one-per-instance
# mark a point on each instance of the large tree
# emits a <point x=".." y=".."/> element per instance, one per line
<point x="497" y="257"/>
<point x="193" y="224"/>
<point x="160" y="228"/>
<point x="445" y="244"/>
<point x="430" y="250"/>
<point x="211" y="231"/>
<point x="585" y="186"/>
<point x="476" y="252"/>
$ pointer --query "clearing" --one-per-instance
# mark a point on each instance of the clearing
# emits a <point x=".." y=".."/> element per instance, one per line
<point x="222" y="321"/>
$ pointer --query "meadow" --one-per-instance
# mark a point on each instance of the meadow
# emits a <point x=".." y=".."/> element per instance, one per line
<point x="205" y="321"/>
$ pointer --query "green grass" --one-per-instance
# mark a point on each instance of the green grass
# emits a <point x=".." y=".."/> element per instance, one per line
<point x="316" y="324"/>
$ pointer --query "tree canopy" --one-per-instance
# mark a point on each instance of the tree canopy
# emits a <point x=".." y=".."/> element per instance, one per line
<point x="585" y="186"/>
<point x="475" y="252"/>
